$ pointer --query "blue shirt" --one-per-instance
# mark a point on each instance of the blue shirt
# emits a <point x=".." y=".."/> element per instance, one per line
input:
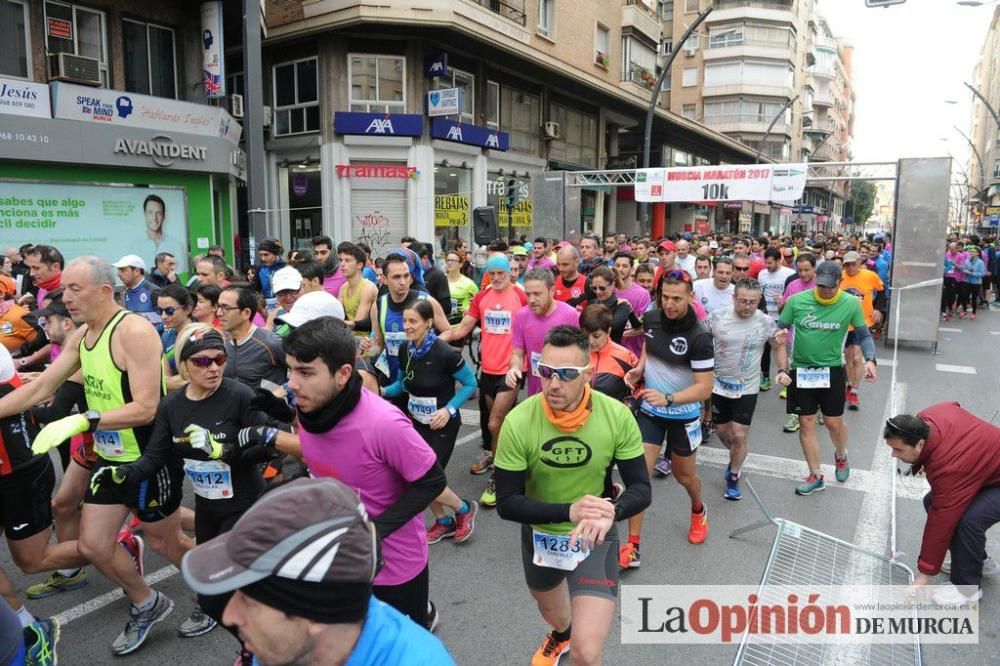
<point x="169" y="339"/>
<point x="389" y="638"/>
<point x="142" y="299"/>
<point x="369" y="274"/>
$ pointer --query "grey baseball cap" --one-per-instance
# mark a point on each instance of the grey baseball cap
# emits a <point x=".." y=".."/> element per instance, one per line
<point x="310" y="530"/>
<point x="828" y="274"/>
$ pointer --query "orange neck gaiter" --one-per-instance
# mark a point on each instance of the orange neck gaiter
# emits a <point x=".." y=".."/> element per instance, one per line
<point x="570" y="421"/>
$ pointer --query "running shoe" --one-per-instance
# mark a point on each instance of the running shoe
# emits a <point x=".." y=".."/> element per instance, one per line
<point x="139" y="624"/>
<point x="819" y="418"/>
<point x="465" y="523"/>
<point x="489" y="496"/>
<point x="40" y="639"/>
<point x="663" y="466"/>
<point x="791" y="423"/>
<point x="852" y="401"/>
<point x="433" y="617"/>
<point x="972" y="316"/>
<point x="134" y="546"/>
<point x="197" y="624"/>
<point x="962" y="315"/>
<point x="783" y="394"/>
<point x="628" y="556"/>
<point x="765" y="384"/>
<point x="57" y="583"/>
<point x="699" y="526"/>
<point x="440" y="530"/>
<point x="813" y="484"/>
<point x="733" y="492"/>
<point x="550" y="651"/>
<point x="484" y="464"/>
<point x="951" y="595"/>
<point x="843" y="468"/>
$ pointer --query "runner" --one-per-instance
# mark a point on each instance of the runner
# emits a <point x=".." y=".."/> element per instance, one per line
<point x="609" y="362"/>
<point x="430" y="368"/>
<point x="357" y="294"/>
<point x="123" y="386"/>
<point x="805" y="265"/>
<point x="602" y="286"/>
<point x="391" y="467"/>
<point x="540" y="256"/>
<point x="531" y="323"/>
<point x="739" y="333"/>
<point x="676" y="365"/>
<point x="254" y="353"/>
<point x="819" y="319"/>
<point x="493" y="309"/>
<point x="461" y="288"/>
<point x="553" y="468"/>
<point x="173" y="304"/>
<point x="716" y="293"/>
<point x="772" y="281"/>
<point x="867" y="285"/>
<point x="571" y="285"/>
<point x="637" y="296"/>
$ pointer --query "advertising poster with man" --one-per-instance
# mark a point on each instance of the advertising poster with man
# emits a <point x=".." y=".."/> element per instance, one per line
<point x="102" y="220"/>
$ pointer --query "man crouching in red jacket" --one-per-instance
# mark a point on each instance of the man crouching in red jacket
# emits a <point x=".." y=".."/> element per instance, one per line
<point x="960" y="454"/>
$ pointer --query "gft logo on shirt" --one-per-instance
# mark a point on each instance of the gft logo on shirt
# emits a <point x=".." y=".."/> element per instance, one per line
<point x="563" y="452"/>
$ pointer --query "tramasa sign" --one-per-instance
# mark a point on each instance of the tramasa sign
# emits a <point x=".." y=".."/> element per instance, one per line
<point x="376" y="171"/>
<point x="378" y="124"/>
<point x="473" y="135"/>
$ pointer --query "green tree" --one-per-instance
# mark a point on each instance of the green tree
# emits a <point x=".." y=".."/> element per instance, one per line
<point x="861" y="201"/>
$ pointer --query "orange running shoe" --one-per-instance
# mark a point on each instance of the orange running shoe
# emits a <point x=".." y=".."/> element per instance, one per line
<point x="628" y="556"/>
<point x="550" y="651"/>
<point x="699" y="527"/>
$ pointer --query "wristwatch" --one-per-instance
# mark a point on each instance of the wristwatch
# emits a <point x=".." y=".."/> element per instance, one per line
<point x="872" y="360"/>
<point x="782" y="370"/>
<point x="452" y="411"/>
<point x="94" y="417"/>
<point x="670" y="399"/>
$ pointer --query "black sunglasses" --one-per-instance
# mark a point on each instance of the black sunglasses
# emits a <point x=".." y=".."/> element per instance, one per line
<point x="169" y="311"/>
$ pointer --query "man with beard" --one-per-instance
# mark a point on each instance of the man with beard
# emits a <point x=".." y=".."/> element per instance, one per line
<point x="323" y="252"/>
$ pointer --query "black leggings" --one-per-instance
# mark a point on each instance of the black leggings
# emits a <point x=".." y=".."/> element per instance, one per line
<point x="968" y="296"/>
<point x="949" y="294"/>
<point x="442" y="441"/>
<point x="409" y="598"/>
<point x="208" y="524"/>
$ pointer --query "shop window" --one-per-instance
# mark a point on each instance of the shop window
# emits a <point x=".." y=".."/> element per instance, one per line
<point x="305" y="204"/>
<point x="493" y="104"/>
<point x="578" y="136"/>
<point x="296" y="97"/>
<point x="150" y="65"/>
<point x="452" y="207"/>
<point x="521" y="116"/>
<point x="497" y="187"/>
<point x="15" y="56"/>
<point x="467" y="82"/>
<point x="77" y="30"/>
<point x="378" y="83"/>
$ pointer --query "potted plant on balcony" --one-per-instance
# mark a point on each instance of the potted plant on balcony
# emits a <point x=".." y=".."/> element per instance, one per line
<point x="642" y="76"/>
<point x="601" y="58"/>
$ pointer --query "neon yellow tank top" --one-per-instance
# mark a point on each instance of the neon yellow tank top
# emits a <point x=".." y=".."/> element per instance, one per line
<point x="107" y="387"/>
<point x="351" y="303"/>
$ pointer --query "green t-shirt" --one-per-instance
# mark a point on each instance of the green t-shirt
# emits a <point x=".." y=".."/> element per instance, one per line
<point x="462" y="292"/>
<point x="561" y="466"/>
<point x="820" y="330"/>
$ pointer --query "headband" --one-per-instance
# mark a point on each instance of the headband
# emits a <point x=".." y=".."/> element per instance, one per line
<point x="200" y="341"/>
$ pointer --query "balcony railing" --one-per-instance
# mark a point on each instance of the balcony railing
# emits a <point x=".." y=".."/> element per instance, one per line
<point x="509" y="9"/>
<point x="737" y="4"/>
<point x="745" y="118"/>
<point x="641" y="75"/>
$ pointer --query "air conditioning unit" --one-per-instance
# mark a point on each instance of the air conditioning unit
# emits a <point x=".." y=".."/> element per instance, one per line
<point x="690" y="50"/>
<point x="236" y="106"/>
<point x="268" y="116"/>
<point x="551" y="129"/>
<point x="78" y="69"/>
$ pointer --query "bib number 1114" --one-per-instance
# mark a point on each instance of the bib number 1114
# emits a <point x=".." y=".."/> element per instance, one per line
<point x="715" y="191"/>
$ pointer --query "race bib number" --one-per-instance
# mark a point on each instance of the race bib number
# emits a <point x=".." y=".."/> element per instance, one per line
<point x="382" y="363"/>
<point x="497" y="322"/>
<point x="554" y="551"/>
<point x="694" y="433"/>
<point x="812" y="378"/>
<point x="422" y="408"/>
<point x="109" y="443"/>
<point x="211" y="479"/>
<point x="728" y="389"/>
<point x="536" y="358"/>
<point x="393" y="341"/>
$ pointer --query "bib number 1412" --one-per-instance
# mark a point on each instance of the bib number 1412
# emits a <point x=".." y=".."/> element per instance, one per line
<point x="715" y="191"/>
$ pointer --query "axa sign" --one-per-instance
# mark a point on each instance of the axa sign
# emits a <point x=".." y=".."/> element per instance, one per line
<point x="473" y="135"/>
<point x="378" y="124"/>
<point x="455" y="133"/>
<point x="162" y="149"/>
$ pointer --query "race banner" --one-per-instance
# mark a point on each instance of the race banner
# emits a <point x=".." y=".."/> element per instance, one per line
<point x="765" y="182"/>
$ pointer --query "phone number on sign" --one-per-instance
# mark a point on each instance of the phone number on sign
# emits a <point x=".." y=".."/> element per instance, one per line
<point x="23" y="138"/>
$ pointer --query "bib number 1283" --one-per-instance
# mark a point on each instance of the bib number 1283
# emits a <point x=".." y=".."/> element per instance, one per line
<point x="556" y="552"/>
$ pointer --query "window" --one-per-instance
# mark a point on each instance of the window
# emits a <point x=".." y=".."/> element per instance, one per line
<point x="296" y="97"/>
<point x="749" y="72"/>
<point x="730" y="35"/>
<point x="467" y="82"/>
<point x="689" y="77"/>
<point x="690" y="111"/>
<point x="668" y="10"/>
<point x="378" y="83"/>
<point x="493" y="105"/>
<point x="668" y="46"/>
<point x="520" y="116"/>
<point x="150" y="67"/>
<point x="77" y="30"/>
<point x="996" y="169"/>
<point x="15" y="56"/>
<point x="602" y="45"/>
<point x="578" y="136"/>
<point x="745" y="110"/>
<point x="692" y="5"/>
<point x="546" y="17"/>
<point x="235" y="83"/>
<point x="638" y="63"/>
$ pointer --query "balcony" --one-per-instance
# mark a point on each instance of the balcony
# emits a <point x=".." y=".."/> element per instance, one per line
<point x="640" y="76"/>
<point x="728" y="10"/>
<point x="510" y="9"/>
<point x="639" y="17"/>
<point x="745" y="122"/>
<point x="823" y="98"/>
<point x="751" y="48"/>
<point x="748" y="88"/>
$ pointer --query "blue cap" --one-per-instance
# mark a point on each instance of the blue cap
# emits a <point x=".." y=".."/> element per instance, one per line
<point x="498" y="262"/>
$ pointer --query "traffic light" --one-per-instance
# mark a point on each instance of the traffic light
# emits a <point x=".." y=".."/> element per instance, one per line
<point x="512" y="191"/>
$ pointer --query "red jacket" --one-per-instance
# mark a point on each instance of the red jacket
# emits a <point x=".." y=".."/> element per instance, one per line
<point x="961" y="456"/>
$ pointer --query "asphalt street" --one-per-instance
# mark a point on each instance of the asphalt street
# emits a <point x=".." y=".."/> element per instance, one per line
<point x="487" y="615"/>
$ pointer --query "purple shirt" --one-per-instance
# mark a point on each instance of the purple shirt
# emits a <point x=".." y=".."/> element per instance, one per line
<point x="544" y="262"/>
<point x="378" y="463"/>
<point x="529" y="334"/>
<point x="332" y="284"/>
<point x="957" y="259"/>
<point x="639" y="299"/>
<point x="797" y="286"/>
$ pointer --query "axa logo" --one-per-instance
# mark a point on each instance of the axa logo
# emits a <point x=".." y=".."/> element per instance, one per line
<point x="380" y="126"/>
<point x="437" y="67"/>
<point x="492" y="141"/>
<point x="563" y="452"/>
<point x="455" y="133"/>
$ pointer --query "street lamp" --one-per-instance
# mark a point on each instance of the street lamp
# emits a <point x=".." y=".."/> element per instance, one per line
<point x="982" y="173"/>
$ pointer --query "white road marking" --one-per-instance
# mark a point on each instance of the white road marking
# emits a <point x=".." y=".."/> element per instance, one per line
<point x="949" y="330"/>
<point x="97" y="603"/>
<point x="886" y="362"/>
<point x="961" y="369"/>
<point x="994" y="332"/>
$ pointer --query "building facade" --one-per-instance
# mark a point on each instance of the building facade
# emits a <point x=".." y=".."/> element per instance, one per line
<point x="983" y="169"/>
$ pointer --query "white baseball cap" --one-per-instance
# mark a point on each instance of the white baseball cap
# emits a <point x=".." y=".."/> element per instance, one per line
<point x="285" y="279"/>
<point x="130" y="261"/>
<point x="311" y="306"/>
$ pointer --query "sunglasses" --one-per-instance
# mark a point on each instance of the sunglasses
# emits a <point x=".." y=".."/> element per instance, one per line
<point x="679" y="274"/>
<point x="207" y="361"/>
<point x="169" y="311"/>
<point x="599" y="289"/>
<point x="566" y="374"/>
<point x="741" y="269"/>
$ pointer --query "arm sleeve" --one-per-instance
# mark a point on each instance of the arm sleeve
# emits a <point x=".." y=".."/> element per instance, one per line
<point x="866" y="341"/>
<point x="365" y="324"/>
<point x="417" y="497"/>
<point x="513" y="504"/>
<point x="467" y="379"/>
<point x="70" y="394"/>
<point x="157" y="451"/>
<point x="395" y="389"/>
<point x="638" y="493"/>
